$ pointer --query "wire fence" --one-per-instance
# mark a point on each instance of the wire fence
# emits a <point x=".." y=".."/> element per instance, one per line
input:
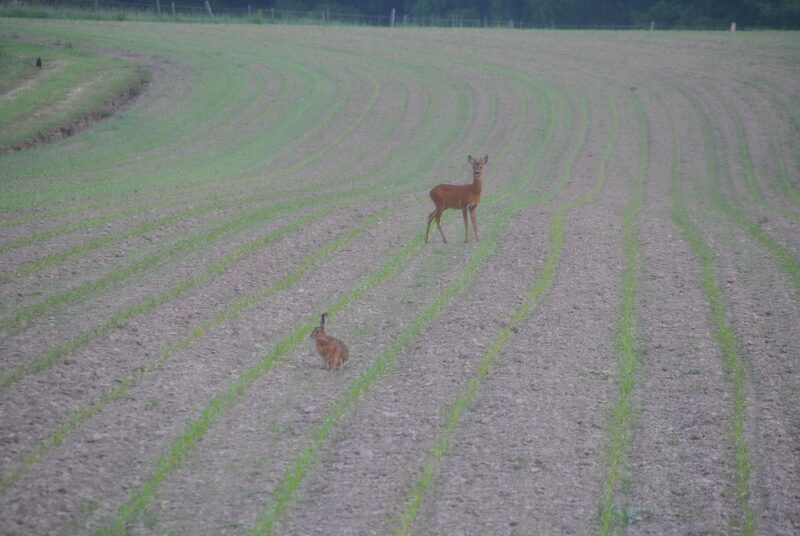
<point x="205" y="10"/>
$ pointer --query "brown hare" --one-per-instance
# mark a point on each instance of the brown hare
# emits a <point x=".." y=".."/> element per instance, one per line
<point x="333" y="351"/>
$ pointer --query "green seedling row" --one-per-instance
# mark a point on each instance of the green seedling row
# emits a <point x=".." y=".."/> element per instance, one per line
<point x="629" y="341"/>
<point x="723" y="332"/>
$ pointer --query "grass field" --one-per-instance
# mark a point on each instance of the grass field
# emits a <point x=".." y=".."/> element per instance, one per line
<point x="617" y="355"/>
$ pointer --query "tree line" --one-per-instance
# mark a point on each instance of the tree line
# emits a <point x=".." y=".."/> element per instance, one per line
<point x="781" y="14"/>
<point x="747" y="14"/>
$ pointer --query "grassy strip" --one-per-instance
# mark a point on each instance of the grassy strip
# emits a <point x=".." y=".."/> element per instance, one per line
<point x="443" y="441"/>
<point x="231" y="312"/>
<point x="629" y="351"/>
<point x="315" y="101"/>
<point x="60" y="96"/>
<point x="15" y="69"/>
<point x="723" y="332"/>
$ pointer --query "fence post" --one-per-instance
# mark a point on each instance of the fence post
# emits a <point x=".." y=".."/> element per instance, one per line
<point x="96" y="7"/>
<point x="391" y="18"/>
<point x="733" y="26"/>
<point x="158" y="7"/>
<point x="208" y="9"/>
<point x="652" y="25"/>
<point x="249" y="11"/>
<point x="172" y="5"/>
<point x="272" y="14"/>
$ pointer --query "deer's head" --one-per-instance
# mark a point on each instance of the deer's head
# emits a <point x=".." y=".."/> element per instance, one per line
<point x="477" y="165"/>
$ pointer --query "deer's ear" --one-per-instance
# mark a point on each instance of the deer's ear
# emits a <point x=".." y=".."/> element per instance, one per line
<point x="469" y="157"/>
<point x="485" y="159"/>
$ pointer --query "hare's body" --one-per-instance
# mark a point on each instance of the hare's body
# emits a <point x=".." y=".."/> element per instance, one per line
<point x="333" y="351"/>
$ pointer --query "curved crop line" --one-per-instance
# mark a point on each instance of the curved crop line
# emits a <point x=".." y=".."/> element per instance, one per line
<point x="319" y="107"/>
<point x="87" y="224"/>
<point x="628" y="344"/>
<point x="147" y="164"/>
<point x="785" y="186"/>
<point x="208" y="106"/>
<point x="99" y="243"/>
<point x="442" y="443"/>
<point x="736" y="215"/>
<point x="724" y="334"/>
<point x="197" y="429"/>
<point x="232" y="311"/>
<point x="748" y="170"/>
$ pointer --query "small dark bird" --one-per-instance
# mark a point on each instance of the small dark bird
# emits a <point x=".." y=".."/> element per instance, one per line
<point x="39" y="62"/>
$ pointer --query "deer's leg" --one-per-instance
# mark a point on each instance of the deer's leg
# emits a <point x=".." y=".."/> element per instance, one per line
<point x="439" y="225"/>
<point x="428" y="228"/>
<point x="472" y="215"/>
<point x="466" y="226"/>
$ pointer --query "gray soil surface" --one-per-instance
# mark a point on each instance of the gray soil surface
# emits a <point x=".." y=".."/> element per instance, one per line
<point x="184" y="396"/>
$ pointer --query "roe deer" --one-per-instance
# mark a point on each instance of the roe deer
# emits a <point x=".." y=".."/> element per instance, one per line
<point x="333" y="351"/>
<point x="463" y="196"/>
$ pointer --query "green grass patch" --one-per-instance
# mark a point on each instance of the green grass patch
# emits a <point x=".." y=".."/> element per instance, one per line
<point x="15" y="68"/>
<point x="71" y="85"/>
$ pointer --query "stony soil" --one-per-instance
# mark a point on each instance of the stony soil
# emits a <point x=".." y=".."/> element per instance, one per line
<point x="183" y="396"/>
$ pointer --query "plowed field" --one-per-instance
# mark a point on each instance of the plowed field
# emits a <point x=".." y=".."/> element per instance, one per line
<point x="620" y="353"/>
